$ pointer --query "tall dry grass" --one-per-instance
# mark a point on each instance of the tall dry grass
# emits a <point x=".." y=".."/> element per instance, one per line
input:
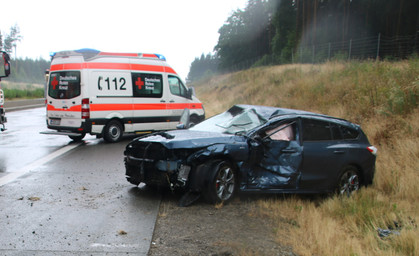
<point x="380" y="96"/>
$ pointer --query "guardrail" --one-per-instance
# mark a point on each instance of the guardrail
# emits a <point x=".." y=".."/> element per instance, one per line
<point x="13" y="105"/>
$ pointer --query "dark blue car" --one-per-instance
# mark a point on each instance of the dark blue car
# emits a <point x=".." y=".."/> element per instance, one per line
<point x="255" y="149"/>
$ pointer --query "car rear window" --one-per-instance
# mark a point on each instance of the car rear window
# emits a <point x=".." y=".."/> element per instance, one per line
<point x="64" y="84"/>
<point x="349" y="133"/>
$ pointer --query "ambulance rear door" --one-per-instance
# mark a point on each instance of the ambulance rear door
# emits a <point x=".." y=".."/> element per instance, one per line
<point x="64" y="99"/>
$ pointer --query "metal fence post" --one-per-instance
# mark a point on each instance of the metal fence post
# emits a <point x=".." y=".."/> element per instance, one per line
<point x="328" y="54"/>
<point x="378" y="46"/>
<point x="350" y="49"/>
<point x="301" y="54"/>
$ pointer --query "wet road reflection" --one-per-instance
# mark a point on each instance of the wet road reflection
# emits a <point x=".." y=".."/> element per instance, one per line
<point x="22" y="142"/>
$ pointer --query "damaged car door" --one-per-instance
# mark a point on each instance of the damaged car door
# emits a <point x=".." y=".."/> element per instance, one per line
<point x="277" y="158"/>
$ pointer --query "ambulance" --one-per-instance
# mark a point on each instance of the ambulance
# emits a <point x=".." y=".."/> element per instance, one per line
<point x="108" y="94"/>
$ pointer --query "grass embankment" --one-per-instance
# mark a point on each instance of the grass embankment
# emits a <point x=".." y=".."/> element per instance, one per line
<point x="13" y="91"/>
<point x="380" y="96"/>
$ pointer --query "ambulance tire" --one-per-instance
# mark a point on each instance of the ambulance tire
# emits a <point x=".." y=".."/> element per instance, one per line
<point x="193" y="120"/>
<point x="113" y="131"/>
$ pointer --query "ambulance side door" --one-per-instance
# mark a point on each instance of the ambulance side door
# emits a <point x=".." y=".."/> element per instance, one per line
<point x="149" y="102"/>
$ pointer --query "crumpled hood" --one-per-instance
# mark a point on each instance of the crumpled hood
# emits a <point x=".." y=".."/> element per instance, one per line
<point x="189" y="139"/>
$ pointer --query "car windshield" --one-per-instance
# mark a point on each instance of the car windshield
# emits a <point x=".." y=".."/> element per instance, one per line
<point x="231" y="122"/>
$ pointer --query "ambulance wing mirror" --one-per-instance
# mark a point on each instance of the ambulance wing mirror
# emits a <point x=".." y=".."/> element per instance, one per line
<point x="184" y="121"/>
<point x="4" y="64"/>
<point x="191" y="91"/>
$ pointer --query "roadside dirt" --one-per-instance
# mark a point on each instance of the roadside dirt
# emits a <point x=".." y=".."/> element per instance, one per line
<point x="204" y="229"/>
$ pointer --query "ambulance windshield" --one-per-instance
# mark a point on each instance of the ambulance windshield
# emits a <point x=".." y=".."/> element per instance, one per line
<point x="64" y="85"/>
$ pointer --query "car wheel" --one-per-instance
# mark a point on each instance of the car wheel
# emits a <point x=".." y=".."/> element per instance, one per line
<point x="113" y="131"/>
<point x="349" y="181"/>
<point x="77" y="138"/>
<point x="222" y="183"/>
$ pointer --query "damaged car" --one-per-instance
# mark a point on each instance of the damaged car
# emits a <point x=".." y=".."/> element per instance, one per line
<point x="254" y="149"/>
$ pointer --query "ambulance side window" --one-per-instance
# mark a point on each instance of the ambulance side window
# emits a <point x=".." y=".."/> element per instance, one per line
<point x="177" y="87"/>
<point x="147" y="85"/>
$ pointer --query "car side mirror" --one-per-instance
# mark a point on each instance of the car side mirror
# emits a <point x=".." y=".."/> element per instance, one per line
<point x="184" y="121"/>
<point x="4" y="64"/>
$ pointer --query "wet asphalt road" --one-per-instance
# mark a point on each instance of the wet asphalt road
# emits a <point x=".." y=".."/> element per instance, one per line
<point x="64" y="198"/>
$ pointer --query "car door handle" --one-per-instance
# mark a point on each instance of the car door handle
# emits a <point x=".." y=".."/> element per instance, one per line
<point x="339" y="152"/>
<point x="162" y="101"/>
<point x="171" y="101"/>
<point x="288" y="150"/>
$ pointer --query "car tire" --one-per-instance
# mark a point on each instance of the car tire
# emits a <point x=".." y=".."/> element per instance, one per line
<point x="222" y="183"/>
<point x="77" y="138"/>
<point x="349" y="181"/>
<point x="113" y="131"/>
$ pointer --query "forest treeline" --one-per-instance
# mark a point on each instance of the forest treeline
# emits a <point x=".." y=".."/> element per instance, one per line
<point x="28" y="71"/>
<point x="274" y="31"/>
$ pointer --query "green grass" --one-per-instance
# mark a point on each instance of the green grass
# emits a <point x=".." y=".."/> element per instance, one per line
<point x="22" y="91"/>
<point x="23" y="94"/>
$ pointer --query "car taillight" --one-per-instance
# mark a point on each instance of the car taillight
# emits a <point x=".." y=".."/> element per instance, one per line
<point x="85" y="109"/>
<point x="373" y="150"/>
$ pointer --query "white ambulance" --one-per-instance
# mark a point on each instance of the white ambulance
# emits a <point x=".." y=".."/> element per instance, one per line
<point x="108" y="94"/>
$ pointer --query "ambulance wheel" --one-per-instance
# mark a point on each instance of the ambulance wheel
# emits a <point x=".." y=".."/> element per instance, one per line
<point x="77" y="138"/>
<point x="193" y="121"/>
<point x="113" y="131"/>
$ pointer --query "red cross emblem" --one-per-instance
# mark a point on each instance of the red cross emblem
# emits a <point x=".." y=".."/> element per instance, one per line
<point x="54" y="82"/>
<point x="139" y="83"/>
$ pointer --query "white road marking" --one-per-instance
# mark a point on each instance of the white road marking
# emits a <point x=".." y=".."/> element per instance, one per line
<point x="95" y="245"/>
<point x="16" y="174"/>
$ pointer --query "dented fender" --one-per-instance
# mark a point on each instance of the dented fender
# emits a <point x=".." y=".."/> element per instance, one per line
<point x="204" y="159"/>
<point x="237" y="152"/>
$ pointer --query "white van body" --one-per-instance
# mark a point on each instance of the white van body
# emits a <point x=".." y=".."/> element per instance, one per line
<point x="3" y="118"/>
<point x="1" y="98"/>
<point x="107" y="94"/>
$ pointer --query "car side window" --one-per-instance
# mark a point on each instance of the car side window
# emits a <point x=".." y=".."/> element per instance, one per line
<point x="176" y="87"/>
<point x="147" y="85"/>
<point x="283" y="131"/>
<point x="336" y="134"/>
<point x="316" y="130"/>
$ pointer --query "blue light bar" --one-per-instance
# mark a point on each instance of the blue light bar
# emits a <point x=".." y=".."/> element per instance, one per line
<point x="161" y="57"/>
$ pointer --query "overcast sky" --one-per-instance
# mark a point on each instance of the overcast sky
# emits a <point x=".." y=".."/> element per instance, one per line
<point x="178" y="29"/>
